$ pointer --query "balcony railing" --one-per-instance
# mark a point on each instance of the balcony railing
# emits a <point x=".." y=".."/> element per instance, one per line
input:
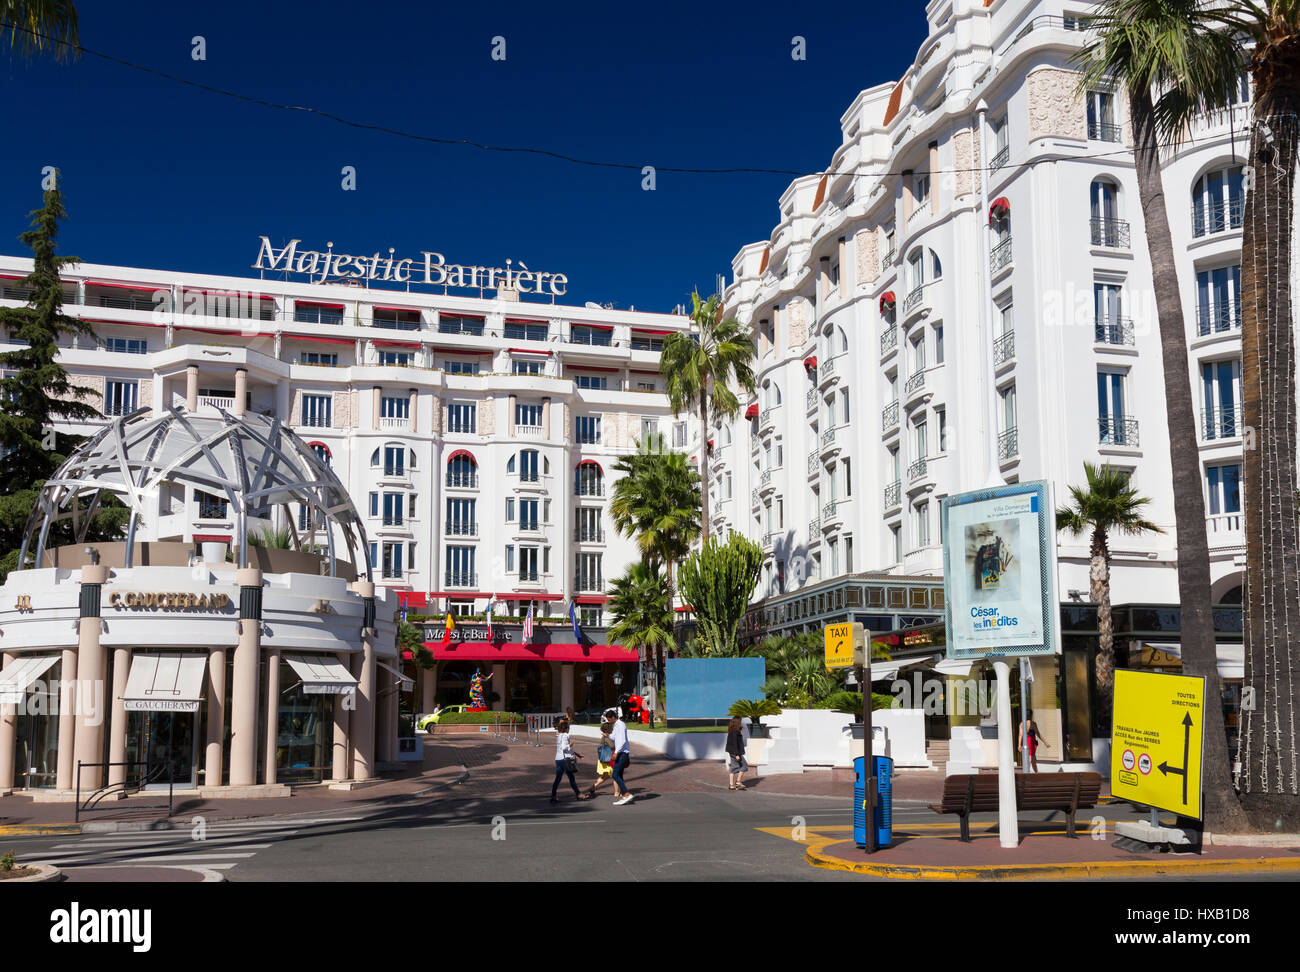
<point x="459" y="528"/>
<point x="814" y="464"/>
<point x="1000" y="256"/>
<point x="124" y="303"/>
<point x="529" y="431"/>
<point x="393" y="519"/>
<point x="831" y="512"/>
<point x="893" y="495"/>
<point x="462" y="480"/>
<point x="814" y="525"/>
<point x="828" y="437"/>
<point x="1110" y="232"/>
<point x="317" y="315"/>
<point x="460" y="578"/>
<point x="216" y="401"/>
<point x="1114" y="330"/>
<point x="1103" y="131"/>
<point x="212" y="509"/>
<point x="753" y="497"/>
<point x="1117" y="431"/>
<point x="887" y="261"/>
<point x="1217" y="217"/>
<point x="827" y="368"/>
<point x="765" y="417"/>
<point x="318" y="420"/>
<point x="916" y="470"/>
<point x="1009" y="444"/>
<point x="1223" y="422"/>
<point x="395" y="470"/>
<point x="1004" y="348"/>
<point x="913" y="298"/>
<point x="588" y="534"/>
<point x="889" y="416"/>
<point x="914" y="383"/>
<point x="460" y="326"/>
<point x="587" y="582"/>
<point x="810" y="400"/>
<point x="589" y="488"/>
<point x="1218" y="524"/>
<point x="462" y="428"/>
<point x="765" y="478"/>
<point x="889" y="339"/>
<point x="1219" y="316"/>
<point x="1000" y="158"/>
<point x="395" y="421"/>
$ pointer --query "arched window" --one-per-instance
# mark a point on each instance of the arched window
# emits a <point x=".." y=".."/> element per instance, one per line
<point x="936" y="268"/>
<point x="510" y="466"/>
<point x="528" y="466"/>
<point x="844" y="342"/>
<point x="1217" y="201"/>
<point x="589" y="479"/>
<point x="915" y="270"/>
<point x="396" y="459"/>
<point x="1104" y="200"/>
<point x="462" y="470"/>
<point x="322" y="451"/>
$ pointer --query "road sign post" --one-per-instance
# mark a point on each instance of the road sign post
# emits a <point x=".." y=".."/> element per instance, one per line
<point x="846" y="648"/>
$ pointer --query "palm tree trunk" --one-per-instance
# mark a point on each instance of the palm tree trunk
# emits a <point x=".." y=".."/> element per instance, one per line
<point x="704" y="463"/>
<point x="1099" y="591"/>
<point x="1271" y="698"/>
<point x="1222" y="811"/>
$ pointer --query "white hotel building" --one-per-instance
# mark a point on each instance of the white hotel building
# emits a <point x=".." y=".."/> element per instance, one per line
<point x="965" y="288"/>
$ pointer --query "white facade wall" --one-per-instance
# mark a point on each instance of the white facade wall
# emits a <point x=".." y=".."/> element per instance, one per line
<point x="830" y="252"/>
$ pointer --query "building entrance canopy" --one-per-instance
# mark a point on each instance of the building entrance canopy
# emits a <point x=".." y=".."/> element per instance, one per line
<point x="322" y="674"/>
<point x="25" y="670"/>
<point x="165" y="683"/>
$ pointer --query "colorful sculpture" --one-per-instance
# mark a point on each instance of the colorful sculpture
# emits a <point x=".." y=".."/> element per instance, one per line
<point x="476" y="703"/>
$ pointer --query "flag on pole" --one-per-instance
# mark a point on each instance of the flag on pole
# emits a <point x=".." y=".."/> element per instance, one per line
<point x="573" y="616"/>
<point x="446" y="635"/>
<point x="528" y="625"/>
<point x="487" y="618"/>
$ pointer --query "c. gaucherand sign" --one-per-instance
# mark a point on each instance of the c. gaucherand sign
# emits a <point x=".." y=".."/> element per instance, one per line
<point x="430" y="268"/>
<point x="173" y="601"/>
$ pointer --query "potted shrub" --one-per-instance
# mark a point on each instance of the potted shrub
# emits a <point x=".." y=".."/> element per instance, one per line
<point x="754" y="710"/>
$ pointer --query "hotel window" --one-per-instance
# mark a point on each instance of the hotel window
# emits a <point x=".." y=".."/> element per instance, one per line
<point x="915" y="271"/>
<point x="780" y="513"/>
<point x="121" y="397"/>
<point x="529" y="416"/>
<point x="923" y="524"/>
<point x="599" y="336"/>
<point x="1104" y="200"/>
<point x="1223" y="486"/>
<point x="395" y="457"/>
<point x="590" y="577"/>
<point x="528" y="564"/>
<point x="395" y="407"/>
<point x="1008" y="409"/>
<point x="125" y="345"/>
<point x="835" y="273"/>
<point x="646" y="386"/>
<point x="1001" y="148"/>
<point x="460" y="518"/>
<point x="461" y="609"/>
<point x="396" y="359"/>
<point x="392" y="560"/>
<point x="588" y="429"/>
<point x="847" y="465"/>
<point x="317" y="410"/>
<point x="374" y="504"/>
<point x="918" y="353"/>
<point x="595" y="382"/>
<point x="528" y="514"/>
<point x="1217" y="201"/>
<point x="920" y="439"/>
<point x="459" y="324"/>
<point x="460" y="567"/>
<point x="526" y="331"/>
<point x="528" y="466"/>
<point x="510" y="558"/>
<point x="1101" y="117"/>
<point x="1221" y="398"/>
<point x="1111" y="414"/>
<point x="896" y="533"/>
<point x="938" y="344"/>
<point x="1218" y="297"/>
<point x="462" y="471"/>
<point x="590" y="616"/>
<point x="321" y="358"/>
<point x="462" y="417"/>
<point x="921" y="191"/>
<point x="460" y="367"/>
<point x="398" y="320"/>
<point x="649" y="431"/>
<point x="941" y="416"/>
<point x="889" y="243"/>
<point x="322" y="452"/>
<point x="835" y="556"/>
<point x="844" y="406"/>
<point x="679" y="435"/>
<point x="393" y="509"/>
<point x="726" y="485"/>
<point x="510" y="509"/>
<point x="317" y="313"/>
<point x="647" y="342"/>
<point x="210" y="507"/>
<point x="526" y="367"/>
<point x="410" y="507"/>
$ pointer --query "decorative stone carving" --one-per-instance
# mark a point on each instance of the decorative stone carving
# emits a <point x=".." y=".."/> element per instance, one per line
<point x="487" y="417"/>
<point x="966" y="156"/>
<point x="799" y="312"/>
<point x="1055" y="109"/>
<point x="295" y="409"/>
<point x="343" y="409"/>
<point x="867" y="246"/>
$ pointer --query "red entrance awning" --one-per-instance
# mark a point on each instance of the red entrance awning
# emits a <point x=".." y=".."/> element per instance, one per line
<point x="508" y="651"/>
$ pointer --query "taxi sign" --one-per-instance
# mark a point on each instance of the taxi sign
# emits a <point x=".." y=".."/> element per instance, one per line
<point x="844" y="645"/>
<point x="1157" y="740"/>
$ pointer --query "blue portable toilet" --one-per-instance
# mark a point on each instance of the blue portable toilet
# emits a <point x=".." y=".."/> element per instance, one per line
<point x="884" y="802"/>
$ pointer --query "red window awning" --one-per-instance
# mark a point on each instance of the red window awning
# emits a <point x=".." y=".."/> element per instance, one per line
<point x="591" y="599"/>
<point x="887" y="299"/>
<point x="465" y="453"/>
<point x="229" y="293"/>
<point x="397" y="344"/>
<point x="96" y="320"/>
<point x="810" y="361"/>
<point x="527" y="351"/>
<point x="1000" y="208"/>
<point x="122" y="286"/>
<point x="751" y="412"/>
<point x="412" y="598"/>
<point x="591" y="462"/>
<point x="216" y="330"/>
<point x="647" y="330"/>
<point x="402" y="310"/>
<point x="528" y="596"/>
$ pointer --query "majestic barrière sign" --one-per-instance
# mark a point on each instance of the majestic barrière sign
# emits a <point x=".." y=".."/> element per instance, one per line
<point x="429" y="268"/>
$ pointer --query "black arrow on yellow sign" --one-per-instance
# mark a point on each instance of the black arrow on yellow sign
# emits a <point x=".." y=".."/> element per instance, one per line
<point x="1166" y="769"/>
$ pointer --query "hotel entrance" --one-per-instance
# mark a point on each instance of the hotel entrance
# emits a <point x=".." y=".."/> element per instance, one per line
<point x="159" y="740"/>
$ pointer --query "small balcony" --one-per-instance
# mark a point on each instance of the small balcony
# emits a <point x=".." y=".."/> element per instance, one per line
<point x="887" y="261"/>
<point x="217" y="402"/>
<point x="585" y="582"/>
<point x="828" y="439"/>
<point x="1223" y="422"/>
<point x="1113" y="233"/>
<point x="591" y="489"/>
<point x="814" y="465"/>
<point x="588" y="534"/>
<point x="461" y="528"/>
<point x="316" y="421"/>
<point x="395" y="422"/>
<point x="765" y="479"/>
<point x="1225" y="530"/>
<point x="826" y="369"/>
<point x="462" y="480"/>
<point x="766" y="417"/>
<point x="889" y="339"/>
<point x="394" y="520"/>
<point x="1115" y="330"/>
<point x="1004" y="348"/>
<point x="460" y="578"/>
<point x="1117" y="431"/>
<point x="1009" y="445"/>
<point x="814" y="525"/>
<point x="915" y="383"/>
<point x="810" y="400"/>
<point x="1000" y="256"/>
<point x="832" y="514"/>
<point x="1217" y="217"/>
<point x="889" y="417"/>
<point x="893" y="495"/>
<point x="213" y="509"/>
<point x="528" y="431"/>
<point x="529" y="526"/>
<point x="913" y="299"/>
<point x="529" y="575"/>
<point x="753" y="498"/>
<point x="916" y="470"/>
<point x="1000" y="158"/>
<point x="1103" y="131"/>
<point x="317" y="315"/>
<point x="1218" y="317"/>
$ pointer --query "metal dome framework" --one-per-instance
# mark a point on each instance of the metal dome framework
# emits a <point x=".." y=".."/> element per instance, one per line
<point x="254" y="461"/>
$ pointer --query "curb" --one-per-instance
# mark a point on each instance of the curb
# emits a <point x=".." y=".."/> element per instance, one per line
<point x="1064" y="871"/>
<point x="44" y="873"/>
<point x="39" y="830"/>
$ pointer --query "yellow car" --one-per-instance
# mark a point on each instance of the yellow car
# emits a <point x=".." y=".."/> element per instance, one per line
<point x="427" y="722"/>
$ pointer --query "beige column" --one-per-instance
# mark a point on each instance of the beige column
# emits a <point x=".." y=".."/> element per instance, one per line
<point x="383" y="700"/>
<point x="566" y="685"/>
<point x="272" y="713"/>
<point x="92" y="673"/>
<point x="363" y="718"/>
<point x="415" y="401"/>
<point x="117" y="719"/>
<point x="8" y="735"/>
<point x="510" y="415"/>
<point x="908" y="202"/>
<point x="430" y="689"/>
<point x="375" y="405"/>
<point x="499" y="684"/>
<point x="934" y="187"/>
<point x="243" y="696"/>
<point x="241" y="390"/>
<point x="343" y="707"/>
<point x="67" y="721"/>
<point x="846" y="284"/>
<point x="192" y="388"/>
<point x="823" y="281"/>
<point x="214" y="757"/>
<point x="546" y="418"/>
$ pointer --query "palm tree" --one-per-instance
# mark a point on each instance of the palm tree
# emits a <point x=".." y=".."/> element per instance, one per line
<point x="641" y="607"/>
<point x="1109" y="502"/>
<point x="1172" y="46"/>
<point x="36" y="26"/>
<point x="700" y="369"/>
<point x="657" y="501"/>
<point x="1270" y="774"/>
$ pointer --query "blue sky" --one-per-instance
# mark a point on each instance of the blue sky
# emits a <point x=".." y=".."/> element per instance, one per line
<point x="158" y="174"/>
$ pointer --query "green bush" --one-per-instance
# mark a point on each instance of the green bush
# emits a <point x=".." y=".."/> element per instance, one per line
<point x="478" y="718"/>
<point x="851" y="702"/>
<point x="7" y="861"/>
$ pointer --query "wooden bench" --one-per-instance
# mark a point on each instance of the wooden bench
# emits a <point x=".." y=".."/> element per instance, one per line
<point x="978" y="793"/>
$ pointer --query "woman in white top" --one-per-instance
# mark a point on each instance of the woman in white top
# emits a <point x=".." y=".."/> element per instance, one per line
<point x="566" y="760"/>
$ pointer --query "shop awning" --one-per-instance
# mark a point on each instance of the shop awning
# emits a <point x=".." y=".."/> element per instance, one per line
<point x="959" y="667"/>
<point x="165" y="683"/>
<point x="408" y="684"/>
<point x="24" y="670"/>
<point x="1231" y="657"/>
<point x="322" y="674"/>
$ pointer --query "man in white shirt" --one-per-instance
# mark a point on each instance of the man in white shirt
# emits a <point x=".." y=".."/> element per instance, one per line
<point x="622" y="756"/>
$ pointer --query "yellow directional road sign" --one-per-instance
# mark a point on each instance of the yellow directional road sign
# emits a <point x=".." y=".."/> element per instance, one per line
<point x="1157" y="740"/>
<point x="844" y="645"/>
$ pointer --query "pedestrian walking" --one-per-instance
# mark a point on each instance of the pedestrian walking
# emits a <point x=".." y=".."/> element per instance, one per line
<point x="736" y="764"/>
<point x="622" y="756"/>
<point x="566" y="760"/>
<point x="604" y="758"/>
<point x="1031" y="737"/>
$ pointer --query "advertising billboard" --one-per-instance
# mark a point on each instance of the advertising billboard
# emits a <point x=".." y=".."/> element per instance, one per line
<point x="999" y="568"/>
